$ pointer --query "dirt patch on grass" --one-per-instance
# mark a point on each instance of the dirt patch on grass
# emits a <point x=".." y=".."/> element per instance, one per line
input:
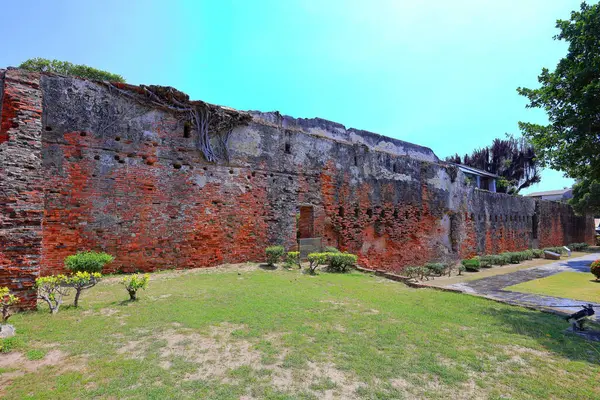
<point x="18" y="365"/>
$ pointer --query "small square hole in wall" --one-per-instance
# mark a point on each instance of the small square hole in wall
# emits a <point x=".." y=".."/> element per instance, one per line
<point x="187" y="129"/>
<point x="288" y="148"/>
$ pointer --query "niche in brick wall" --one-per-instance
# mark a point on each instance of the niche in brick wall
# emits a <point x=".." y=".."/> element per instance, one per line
<point x="306" y="222"/>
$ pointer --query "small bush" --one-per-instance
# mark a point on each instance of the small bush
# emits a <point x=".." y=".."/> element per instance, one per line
<point x="538" y="253"/>
<point x="437" y="269"/>
<point x="87" y="261"/>
<point x="81" y="281"/>
<point x="316" y="259"/>
<point x="412" y="272"/>
<point x="471" y="264"/>
<point x="52" y="289"/>
<point x="487" y="261"/>
<point x="461" y="269"/>
<point x="330" y="249"/>
<point x="341" y="262"/>
<point x="292" y="258"/>
<point x="274" y="254"/>
<point x="7" y="301"/>
<point x="578" y="246"/>
<point x="595" y="269"/>
<point x="133" y="283"/>
<point x="558" y="249"/>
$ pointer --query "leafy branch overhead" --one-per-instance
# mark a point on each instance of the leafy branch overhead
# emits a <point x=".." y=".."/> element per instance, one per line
<point x="570" y="95"/>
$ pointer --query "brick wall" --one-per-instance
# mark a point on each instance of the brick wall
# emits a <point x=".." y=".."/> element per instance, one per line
<point x="21" y="195"/>
<point x="127" y="178"/>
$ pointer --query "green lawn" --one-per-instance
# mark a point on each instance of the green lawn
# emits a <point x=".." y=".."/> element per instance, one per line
<point x="572" y="285"/>
<point x="284" y="335"/>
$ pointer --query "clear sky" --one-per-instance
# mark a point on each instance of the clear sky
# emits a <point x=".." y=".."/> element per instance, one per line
<point x="438" y="73"/>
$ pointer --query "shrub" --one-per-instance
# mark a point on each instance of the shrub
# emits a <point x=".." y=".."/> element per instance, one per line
<point x="341" y="262"/>
<point x="52" y="289"/>
<point x="412" y="272"/>
<point x="7" y="301"/>
<point x="67" y="68"/>
<point x="316" y="259"/>
<point x="461" y="269"/>
<point x="487" y="261"/>
<point x="578" y="246"/>
<point x="559" y="249"/>
<point x="437" y="269"/>
<point x="471" y="264"/>
<point x="8" y="344"/>
<point x="595" y="269"/>
<point x="87" y="261"/>
<point x="274" y="254"/>
<point x="81" y="281"/>
<point x="330" y="249"/>
<point x="133" y="283"/>
<point x="538" y="253"/>
<point x="292" y="258"/>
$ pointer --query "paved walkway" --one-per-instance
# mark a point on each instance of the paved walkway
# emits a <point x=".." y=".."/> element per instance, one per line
<point x="492" y="287"/>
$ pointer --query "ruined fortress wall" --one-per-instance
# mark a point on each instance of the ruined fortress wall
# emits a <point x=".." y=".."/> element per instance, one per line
<point x="21" y="190"/>
<point x="127" y="178"/>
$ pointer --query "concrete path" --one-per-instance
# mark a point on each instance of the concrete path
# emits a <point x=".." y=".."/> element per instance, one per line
<point x="492" y="287"/>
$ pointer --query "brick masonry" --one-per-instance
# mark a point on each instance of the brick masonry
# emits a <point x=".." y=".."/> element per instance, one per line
<point x="97" y="170"/>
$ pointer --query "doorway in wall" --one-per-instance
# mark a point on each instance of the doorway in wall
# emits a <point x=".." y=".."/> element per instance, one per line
<point x="306" y="222"/>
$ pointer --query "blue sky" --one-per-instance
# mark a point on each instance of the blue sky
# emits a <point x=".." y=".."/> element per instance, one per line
<point x="438" y="73"/>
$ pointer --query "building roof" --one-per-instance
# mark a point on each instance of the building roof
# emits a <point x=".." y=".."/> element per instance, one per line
<point x="549" y="193"/>
<point x="475" y="171"/>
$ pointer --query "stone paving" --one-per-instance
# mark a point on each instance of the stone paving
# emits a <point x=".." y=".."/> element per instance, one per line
<point x="493" y="286"/>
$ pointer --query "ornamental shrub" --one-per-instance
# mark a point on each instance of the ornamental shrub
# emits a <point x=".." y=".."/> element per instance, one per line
<point x="316" y="259"/>
<point x="341" y="262"/>
<point x="87" y="261"/>
<point x="578" y="246"/>
<point x="437" y="269"/>
<point x="274" y="254"/>
<point x="133" y="283"/>
<point x="292" y="258"/>
<point x="538" y="253"/>
<point x="7" y="301"/>
<point x="67" y="68"/>
<point x="330" y="249"/>
<point x="487" y="261"/>
<point x="559" y="249"/>
<point x="471" y="264"/>
<point x="595" y="269"/>
<point x="412" y="272"/>
<point x="52" y="289"/>
<point x="81" y="281"/>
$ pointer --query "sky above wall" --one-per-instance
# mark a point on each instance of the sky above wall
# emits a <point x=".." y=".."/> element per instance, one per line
<point x="438" y="73"/>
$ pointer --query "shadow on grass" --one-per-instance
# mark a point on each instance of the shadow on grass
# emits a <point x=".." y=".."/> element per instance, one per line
<point x="550" y="331"/>
<point x="267" y="267"/>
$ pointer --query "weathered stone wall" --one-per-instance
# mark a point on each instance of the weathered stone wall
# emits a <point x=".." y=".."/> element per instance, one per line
<point x="21" y="195"/>
<point x="127" y="178"/>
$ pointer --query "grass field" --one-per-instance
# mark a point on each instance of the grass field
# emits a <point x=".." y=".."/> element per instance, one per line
<point x="572" y="285"/>
<point x="252" y="334"/>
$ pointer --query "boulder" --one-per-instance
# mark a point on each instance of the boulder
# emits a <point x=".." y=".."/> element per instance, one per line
<point x="550" y="255"/>
<point x="7" y="331"/>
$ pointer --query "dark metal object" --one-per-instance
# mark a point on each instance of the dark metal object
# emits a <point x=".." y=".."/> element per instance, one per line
<point x="578" y="319"/>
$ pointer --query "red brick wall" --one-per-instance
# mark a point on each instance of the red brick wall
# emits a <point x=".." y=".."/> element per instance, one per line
<point x="122" y="177"/>
<point x="21" y="195"/>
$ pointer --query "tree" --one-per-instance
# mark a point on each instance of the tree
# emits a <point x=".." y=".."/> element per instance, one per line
<point x="570" y="95"/>
<point x="586" y="196"/>
<point x="67" y="68"/>
<point x="513" y="159"/>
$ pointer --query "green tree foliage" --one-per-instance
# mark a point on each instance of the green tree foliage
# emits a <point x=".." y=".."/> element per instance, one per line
<point x="67" y="68"/>
<point x="133" y="283"/>
<point x="7" y="301"/>
<point x="87" y="261"/>
<point x="570" y="95"/>
<point x="513" y="159"/>
<point x="586" y="196"/>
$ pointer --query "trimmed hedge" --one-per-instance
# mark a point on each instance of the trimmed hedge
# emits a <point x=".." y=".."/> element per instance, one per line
<point x="274" y="254"/>
<point x="471" y="264"/>
<point x="578" y="246"/>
